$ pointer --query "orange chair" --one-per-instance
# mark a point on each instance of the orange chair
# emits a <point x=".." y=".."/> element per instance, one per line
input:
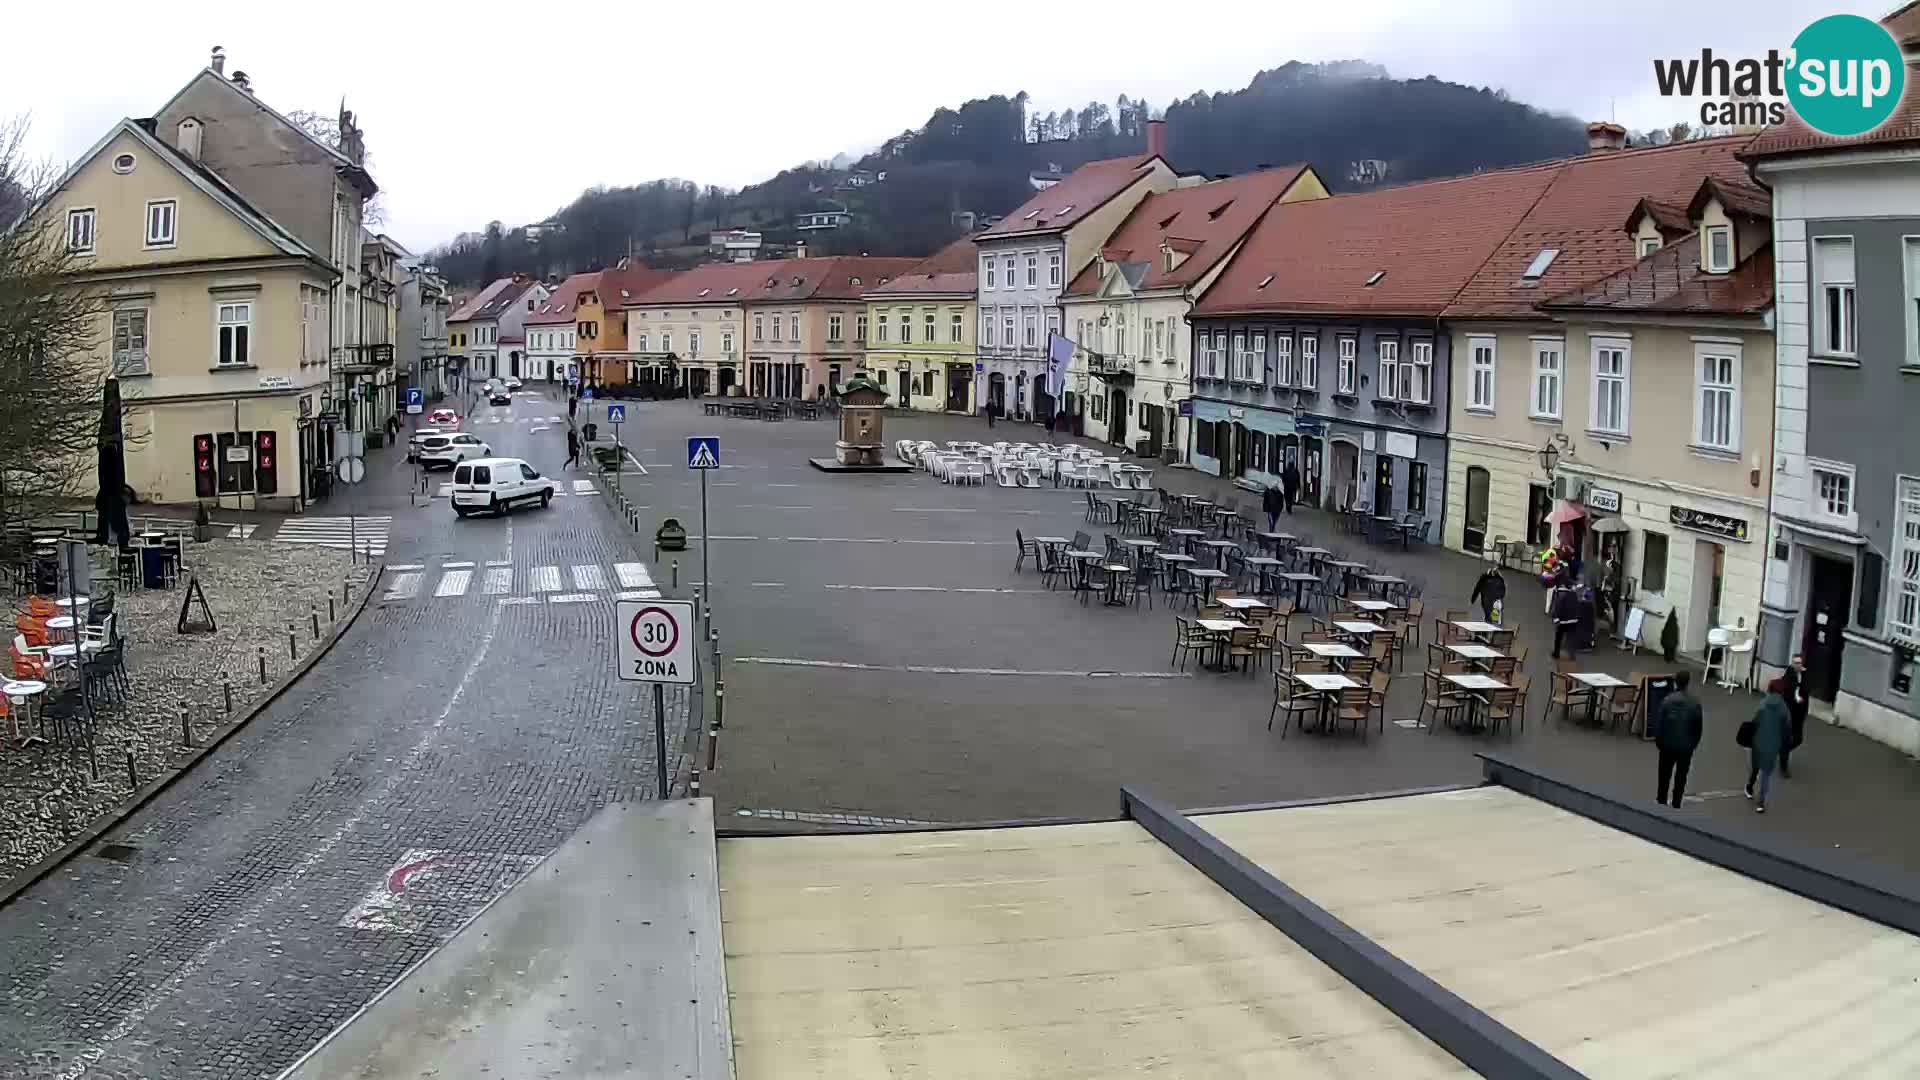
<point x="41" y="608"/>
<point x="34" y="630"/>
<point x="25" y="664"/>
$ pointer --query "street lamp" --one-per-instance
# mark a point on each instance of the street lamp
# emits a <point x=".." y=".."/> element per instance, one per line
<point x="1549" y="459"/>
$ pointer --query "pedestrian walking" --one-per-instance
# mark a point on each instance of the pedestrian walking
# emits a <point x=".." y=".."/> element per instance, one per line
<point x="1566" y="617"/>
<point x="1765" y="736"/>
<point x="1273" y="500"/>
<point x="1676" y="732"/>
<point x="573" y="448"/>
<point x="1489" y="591"/>
<point x="1289" y="486"/>
<point x="1796" y="695"/>
<point x="572" y="404"/>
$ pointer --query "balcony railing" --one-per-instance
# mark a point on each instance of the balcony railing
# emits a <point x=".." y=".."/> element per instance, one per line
<point x="1110" y="365"/>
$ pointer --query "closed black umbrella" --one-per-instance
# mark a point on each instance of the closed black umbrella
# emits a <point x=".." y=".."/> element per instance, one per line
<point x="111" y="500"/>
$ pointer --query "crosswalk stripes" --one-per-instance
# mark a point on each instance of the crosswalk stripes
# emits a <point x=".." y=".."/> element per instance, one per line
<point x="241" y="532"/>
<point x="578" y="583"/>
<point x="499" y="581"/>
<point x="405" y="586"/>
<point x="633" y="575"/>
<point x="453" y="583"/>
<point x="585" y="487"/>
<point x="546" y="579"/>
<point x="366" y="534"/>
<point x="588" y="577"/>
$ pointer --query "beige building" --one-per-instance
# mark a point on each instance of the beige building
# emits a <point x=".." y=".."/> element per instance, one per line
<point x="1650" y="393"/>
<point x="687" y="330"/>
<point x="919" y="332"/>
<point x="212" y="314"/>
<point x="803" y="322"/>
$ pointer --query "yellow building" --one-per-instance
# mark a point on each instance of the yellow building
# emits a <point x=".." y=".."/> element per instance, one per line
<point x="919" y="331"/>
<point x="600" y="326"/>
<point x="212" y="314"/>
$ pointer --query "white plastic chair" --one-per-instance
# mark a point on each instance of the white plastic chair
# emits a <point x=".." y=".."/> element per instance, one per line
<point x="1739" y="657"/>
<point x="1716" y="658"/>
<point x="1142" y="480"/>
<point x="1006" y="477"/>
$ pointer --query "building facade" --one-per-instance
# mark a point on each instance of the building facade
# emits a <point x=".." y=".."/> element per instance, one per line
<point x="212" y="316"/>
<point x="689" y="330"/>
<point x="919" y="332"/>
<point x="472" y="342"/>
<point x="803" y="322"/>
<point x="1026" y="260"/>
<point x="600" y="326"/>
<point x="1843" y="577"/>
<point x="422" y="342"/>
<point x="1129" y="376"/>
<point x="551" y="334"/>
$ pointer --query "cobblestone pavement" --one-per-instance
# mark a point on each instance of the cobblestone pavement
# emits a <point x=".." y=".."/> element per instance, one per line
<point x="48" y="794"/>
<point x="431" y="757"/>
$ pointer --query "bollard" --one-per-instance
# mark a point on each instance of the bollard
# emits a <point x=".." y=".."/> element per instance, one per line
<point x="314" y="610"/>
<point x="719" y="704"/>
<point x="133" y="777"/>
<point x="293" y="644"/>
<point x="331" y="614"/>
<point x="713" y="746"/>
<point x="693" y="785"/>
<point x="346" y="589"/>
<point x="186" y="727"/>
<point x="226" y="688"/>
<point x="676" y="570"/>
<point x="261" y="652"/>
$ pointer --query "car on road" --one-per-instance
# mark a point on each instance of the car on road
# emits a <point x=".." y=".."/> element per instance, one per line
<point x="448" y="451"/>
<point x="500" y="396"/>
<point x="419" y="439"/>
<point x="513" y="383"/>
<point x="443" y="418"/>
<point x="497" y="485"/>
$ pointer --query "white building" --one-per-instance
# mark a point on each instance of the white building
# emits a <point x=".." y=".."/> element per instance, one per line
<point x="550" y="330"/>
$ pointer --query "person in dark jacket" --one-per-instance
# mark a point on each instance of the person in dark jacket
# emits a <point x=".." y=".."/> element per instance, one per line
<point x="1796" y="695"/>
<point x="1566" y="618"/>
<point x="1772" y="723"/>
<point x="1488" y="591"/>
<point x="1272" y="501"/>
<point x="1676" y="731"/>
<point x="573" y="448"/>
<point x="1290" y="485"/>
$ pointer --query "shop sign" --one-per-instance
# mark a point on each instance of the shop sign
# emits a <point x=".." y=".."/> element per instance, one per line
<point x="1401" y="444"/>
<point x="1732" y="528"/>
<point x="276" y="382"/>
<point x="306" y="405"/>
<point x="1186" y="407"/>
<point x="1604" y="499"/>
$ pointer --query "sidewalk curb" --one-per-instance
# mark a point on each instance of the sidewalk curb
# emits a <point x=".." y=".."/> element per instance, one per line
<point x="12" y="887"/>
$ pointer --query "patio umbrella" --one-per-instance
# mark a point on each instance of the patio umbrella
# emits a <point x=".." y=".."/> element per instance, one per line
<point x="111" y="500"/>
<point x="1564" y="513"/>
<point x="1610" y="525"/>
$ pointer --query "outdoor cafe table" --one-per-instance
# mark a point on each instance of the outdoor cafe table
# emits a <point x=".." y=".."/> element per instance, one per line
<point x="1382" y="582"/>
<point x="1313" y="554"/>
<point x="1300" y="583"/>
<point x="1140" y="547"/>
<point x="1327" y="685"/>
<point x="1371" y="606"/>
<point x="1360" y="630"/>
<point x="1348" y="571"/>
<point x="1265" y="566"/>
<point x="1242" y="603"/>
<point x="1479" y="629"/>
<point x="1379" y="525"/>
<point x="20" y="693"/>
<point x="1219" y="548"/>
<point x="1208" y="580"/>
<point x="1480" y="655"/>
<point x="1112" y="595"/>
<point x="1335" y="651"/>
<point x="1083" y="561"/>
<point x="1222" y="632"/>
<point x="1600" y="683"/>
<point x="1476" y="687"/>
<point x="1182" y="538"/>
<point x="73" y="601"/>
<point x="1272" y="540"/>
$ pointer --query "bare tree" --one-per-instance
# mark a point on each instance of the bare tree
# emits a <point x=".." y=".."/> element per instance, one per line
<point x="326" y="129"/>
<point x="51" y="384"/>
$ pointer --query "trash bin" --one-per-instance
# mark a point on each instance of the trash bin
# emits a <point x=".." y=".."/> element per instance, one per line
<point x="587" y="430"/>
<point x="671" y="536"/>
<point x="153" y="567"/>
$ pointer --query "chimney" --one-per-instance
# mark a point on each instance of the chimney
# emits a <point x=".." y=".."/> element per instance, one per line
<point x="799" y="249"/>
<point x="1605" y="135"/>
<point x="240" y="80"/>
<point x="219" y="63"/>
<point x="1157" y="138"/>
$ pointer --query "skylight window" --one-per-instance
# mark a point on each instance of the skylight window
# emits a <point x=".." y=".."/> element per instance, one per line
<point x="1264" y="282"/>
<point x="733" y="291"/>
<point x="1031" y="214"/>
<point x="1214" y="214"/>
<point x="704" y="292"/>
<point x="1538" y="267"/>
<point x="1067" y="209"/>
<point x="1374" y="278"/>
<point x="1166" y="223"/>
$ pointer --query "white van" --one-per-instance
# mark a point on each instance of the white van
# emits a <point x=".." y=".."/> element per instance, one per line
<point x="496" y="485"/>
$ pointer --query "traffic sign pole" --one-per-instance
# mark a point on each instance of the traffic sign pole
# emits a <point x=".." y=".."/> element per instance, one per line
<point x="660" y="738"/>
<point x="706" y="545"/>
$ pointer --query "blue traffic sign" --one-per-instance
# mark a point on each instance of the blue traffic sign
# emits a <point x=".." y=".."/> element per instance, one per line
<point x="586" y="394"/>
<point x="415" y="395"/>
<point x="703" y="452"/>
<point x="616" y="414"/>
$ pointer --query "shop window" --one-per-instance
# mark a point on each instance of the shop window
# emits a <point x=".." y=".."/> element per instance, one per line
<point x="1202" y="438"/>
<point x="1653" y="563"/>
<point x="1416" y="487"/>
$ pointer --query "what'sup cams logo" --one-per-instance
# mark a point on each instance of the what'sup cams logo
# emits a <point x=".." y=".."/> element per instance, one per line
<point x="1843" y="76"/>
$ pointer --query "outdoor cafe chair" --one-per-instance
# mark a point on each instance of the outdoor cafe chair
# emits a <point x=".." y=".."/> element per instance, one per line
<point x="1502" y="706"/>
<point x="1243" y="644"/>
<point x="1188" y="637"/>
<point x="1354" y="703"/>
<point x="1437" y="697"/>
<point x="1502" y="640"/>
<point x="1139" y="583"/>
<point x="1005" y="476"/>
<point x="1027" y="550"/>
<point x="1361" y="668"/>
<point x="1503" y="668"/>
<point x="1522" y="685"/>
<point x="1565" y="693"/>
<point x="1380" y="649"/>
<point x="1624" y="704"/>
<point x="1294" y="700"/>
<point x="1416" y="611"/>
<point x="1443" y="629"/>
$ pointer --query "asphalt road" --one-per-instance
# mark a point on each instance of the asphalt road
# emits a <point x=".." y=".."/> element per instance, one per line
<point x="447" y="741"/>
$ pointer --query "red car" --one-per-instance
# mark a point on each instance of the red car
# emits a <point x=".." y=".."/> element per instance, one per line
<point x="443" y="418"/>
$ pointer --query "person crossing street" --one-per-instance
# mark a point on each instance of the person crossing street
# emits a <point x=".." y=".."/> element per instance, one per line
<point x="573" y="448"/>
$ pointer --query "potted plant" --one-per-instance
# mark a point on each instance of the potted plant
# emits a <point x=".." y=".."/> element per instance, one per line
<point x="202" y="524"/>
<point x="1670" y="637"/>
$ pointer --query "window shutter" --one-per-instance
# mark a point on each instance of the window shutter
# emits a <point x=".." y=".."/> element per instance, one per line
<point x="1833" y="261"/>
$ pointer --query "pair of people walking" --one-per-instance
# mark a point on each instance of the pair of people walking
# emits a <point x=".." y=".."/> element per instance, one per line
<point x="1769" y="736"/>
<point x="1280" y="499"/>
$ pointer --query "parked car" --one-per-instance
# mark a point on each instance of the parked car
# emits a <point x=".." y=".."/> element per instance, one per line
<point x="419" y="438"/>
<point x="447" y="451"/>
<point x="443" y="418"/>
<point x="500" y="396"/>
<point x="496" y="485"/>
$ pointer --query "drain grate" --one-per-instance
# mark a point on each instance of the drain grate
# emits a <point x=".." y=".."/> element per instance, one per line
<point x="119" y="853"/>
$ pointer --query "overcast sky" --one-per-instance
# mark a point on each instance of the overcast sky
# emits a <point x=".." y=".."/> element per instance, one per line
<point x="474" y="112"/>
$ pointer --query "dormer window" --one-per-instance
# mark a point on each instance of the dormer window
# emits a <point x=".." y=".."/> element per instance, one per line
<point x="1214" y="214"/>
<point x="856" y="280"/>
<point x="1374" y="278"/>
<point x="1264" y="282"/>
<point x="1067" y="209"/>
<point x="1649" y="245"/>
<point x="704" y="292"/>
<point x="1719" y="249"/>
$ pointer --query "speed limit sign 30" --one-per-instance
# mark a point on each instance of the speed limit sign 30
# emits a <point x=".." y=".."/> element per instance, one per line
<point x="655" y="641"/>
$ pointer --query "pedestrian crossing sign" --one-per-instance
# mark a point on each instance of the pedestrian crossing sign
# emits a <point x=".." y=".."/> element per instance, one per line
<point x="616" y="414"/>
<point x="703" y="452"/>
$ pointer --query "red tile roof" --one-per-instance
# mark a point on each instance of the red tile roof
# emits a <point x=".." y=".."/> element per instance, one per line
<point x="1316" y="256"/>
<point x="711" y="283"/>
<point x="1904" y="24"/>
<point x="1066" y="203"/>
<point x="1744" y="200"/>
<point x="618" y="287"/>
<point x="467" y="311"/>
<point x="1670" y="282"/>
<point x="1667" y="217"/>
<point x="837" y="277"/>
<point x="953" y="269"/>
<point x="1795" y="137"/>
<point x="562" y="305"/>
<point x="1205" y="221"/>
<point x="500" y="302"/>
<point x="1580" y="216"/>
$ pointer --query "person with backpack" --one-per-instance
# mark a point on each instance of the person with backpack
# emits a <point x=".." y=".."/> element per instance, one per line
<point x="1765" y="736"/>
<point x="573" y="448"/>
<point x="1676" y="732"/>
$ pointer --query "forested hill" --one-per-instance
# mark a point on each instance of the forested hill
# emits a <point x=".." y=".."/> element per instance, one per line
<point x="1357" y="126"/>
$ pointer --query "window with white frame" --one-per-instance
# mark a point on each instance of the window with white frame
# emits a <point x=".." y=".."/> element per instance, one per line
<point x="1830" y="493"/>
<point x="1416" y="378"/>
<point x="955" y="327"/>
<point x="666" y="341"/>
<point x="880" y="327"/>
<point x="774" y="325"/>
<point x="1033" y="269"/>
<point x="1719" y="249"/>
<point x="1912" y="356"/>
<point x="1903" y="617"/>
<point x="160" y="222"/>
<point x="1006" y="271"/>
<point x="1480" y="373"/>
<point x="1833" y="300"/>
<point x="640" y="342"/>
<point x="929" y="322"/>
<point x="1612" y="370"/>
<point x="1160" y="337"/>
<point x="130" y="341"/>
<point x="1283" y="359"/>
<point x="1346" y="379"/>
<point x="235" y="326"/>
<point x="726" y="342"/>
<point x="906" y="325"/>
<point x="1053" y="268"/>
<point x="1389" y="367"/>
<point x="1309" y="361"/>
<point x="313" y="324"/>
<point x="1032" y="329"/>
<point x="1120" y="338"/>
<point x="989" y="271"/>
<point x="793" y="324"/>
<point x="1006" y="319"/>
<point x="1238" y="358"/>
<point x="693" y="343"/>
<point x="835" y="326"/>
<point x="80" y="231"/>
<point x="759" y="327"/>
<point x="1716" y="422"/>
<point x="860" y="327"/>
<point x="1257" y="357"/>
<point x="1549" y="367"/>
<point x="1649" y="245"/>
<point x="986" y="328"/>
<point x="1053" y="323"/>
